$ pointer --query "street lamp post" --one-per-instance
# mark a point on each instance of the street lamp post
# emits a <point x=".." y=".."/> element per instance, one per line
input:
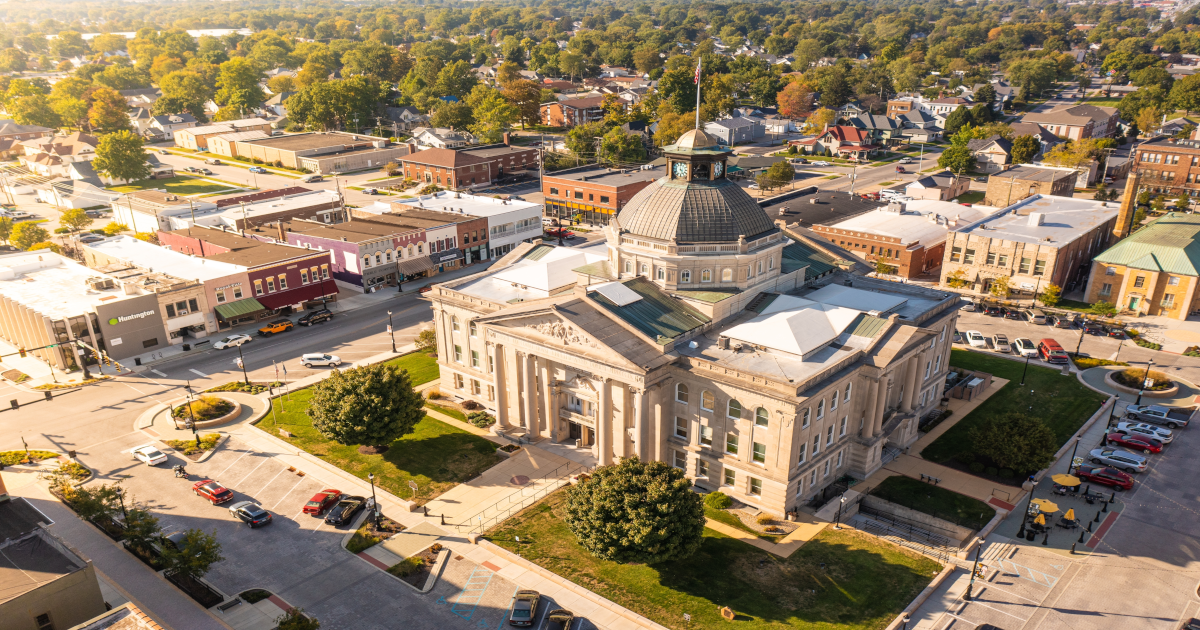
<point x="391" y="332"/>
<point x="191" y="414"/>
<point x="121" y="496"/>
<point x="1143" y="387"/>
<point x="1025" y="370"/>
<point x="1071" y="466"/>
<point x="242" y="364"/>
<point x="374" y="504"/>
<point x="974" y="571"/>
<point x="837" y="521"/>
<point x="1028" y="502"/>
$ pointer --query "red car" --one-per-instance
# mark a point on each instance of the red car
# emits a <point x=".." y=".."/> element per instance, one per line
<point x="1106" y="476"/>
<point x="1135" y="442"/>
<point x="322" y="501"/>
<point x="556" y="232"/>
<point x="212" y="491"/>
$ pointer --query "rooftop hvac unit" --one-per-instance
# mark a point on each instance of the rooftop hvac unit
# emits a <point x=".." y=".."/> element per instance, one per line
<point x="1036" y="219"/>
<point x="723" y="343"/>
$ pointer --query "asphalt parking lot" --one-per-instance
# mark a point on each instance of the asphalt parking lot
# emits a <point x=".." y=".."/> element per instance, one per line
<point x="299" y="557"/>
<point x="1069" y="338"/>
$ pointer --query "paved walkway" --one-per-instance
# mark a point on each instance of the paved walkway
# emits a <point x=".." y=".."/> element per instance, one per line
<point x="809" y="527"/>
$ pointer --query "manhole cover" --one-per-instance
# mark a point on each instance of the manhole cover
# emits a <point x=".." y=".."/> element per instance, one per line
<point x="519" y="480"/>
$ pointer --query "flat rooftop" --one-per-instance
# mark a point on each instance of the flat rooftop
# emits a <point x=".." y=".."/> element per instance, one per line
<point x="357" y="231"/>
<point x="230" y="214"/>
<point x="1064" y="219"/>
<point x="545" y="270"/>
<point x="244" y="251"/>
<point x="306" y="141"/>
<point x="1035" y="174"/>
<point x="819" y="207"/>
<point x="161" y="260"/>
<point x="497" y="151"/>
<point x="475" y="205"/>
<point x="603" y="176"/>
<point x="33" y="557"/>
<point x="922" y="221"/>
<point x="53" y="285"/>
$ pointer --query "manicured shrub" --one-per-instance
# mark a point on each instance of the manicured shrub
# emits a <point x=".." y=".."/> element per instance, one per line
<point x="1006" y="473"/>
<point x="718" y="500"/>
<point x="976" y="467"/>
<point x="991" y="471"/>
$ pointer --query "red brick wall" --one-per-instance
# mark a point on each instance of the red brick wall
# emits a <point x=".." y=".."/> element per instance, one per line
<point x="189" y="245"/>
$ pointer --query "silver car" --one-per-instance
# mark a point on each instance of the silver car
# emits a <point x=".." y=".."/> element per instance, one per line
<point x="1146" y="430"/>
<point x="1026" y="347"/>
<point x="1001" y="343"/>
<point x="1119" y="459"/>
<point x="332" y="360"/>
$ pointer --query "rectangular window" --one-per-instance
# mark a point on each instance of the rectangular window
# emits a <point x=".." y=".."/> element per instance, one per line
<point x="829" y="436"/>
<point x="282" y="282"/>
<point x="1025" y="263"/>
<point x="150" y="343"/>
<point x="324" y="272"/>
<point x="603" y="198"/>
<point x="803" y="454"/>
<point x="841" y="457"/>
<point x="955" y="254"/>
<point x="1039" y="267"/>
<point x="701" y="468"/>
<point x="968" y="256"/>
<point x="706" y="434"/>
<point x="270" y="285"/>
<point x="759" y="453"/>
<point x="991" y="258"/>
<point x="730" y="477"/>
<point x="755" y="486"/>
<point x="553" y="191"/>
<point x="826" y="472"/>
<point x="816" y="445"/>
<point x="220" y="297"/>
<point x="491" y="392"/>
<point x="258" y="290"/>
<point x="1002" y="260"/>
<point x="804" y="423"/>
<point x="475" y="388"/>
<point x="237" y="293"/>
<point x="303" y="276"/>
<point x="731" y="444"/>
<point x="1173" y="281"/>
<point x="475" y="358"/>
<point x="820" y="410"/>
<point x="812" y="479"/>
<point x="193" y="306"/>
<point x="1139" y="281"/>
<point x="458" y="354"/>
<point x="170" y="310"/>
<point x="1106" y="289"/>
<point x="491" y="364"/>
<point x="680" y="460"/>
<point x="842" y="427"/>
<point x="681" y="427"/>
<point x="1168" y="300"/>
<point x="43" y="622"/>
<point x="458" y="381"/>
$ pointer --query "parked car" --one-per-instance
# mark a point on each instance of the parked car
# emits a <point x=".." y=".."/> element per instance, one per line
<point x="968" y="306"/>
<point x="345" y="510"/>
<point x="370" y="191"/>
<point x="1059" y="321"/>
<point x="1034" y="316"/>
<point x="232" y="341"/>
<point x="1170" y="417"/>
<point x="277" y="326"/>
<point x="976" y="339"/>
<point x="873" y="196"/>
<point x="822" y="163"/>
<point x="331" y="360"/>
<point x="1163" y="436"/>
<point x="312" y="178"/>
<point x="316" y="317"/>
<point x="1134" y="443"/>
<point x="90" y="238"/>
<point x="212" y="491"/>
<point x="149" y="454"/>
<point x="1121" y="460"/>
<point x="425" y="289"/>
<point x="95" y="213"/>
<point x="1106" y="476"/>
<point x="799" y="161"/>
<point x="321" y="501"/>
<point x="1051" y="352"/>
<point x="1025" y="347"/>
<point x="164" y="152"/>
<point x="258" y="169"/>
<point x="1115" y="332"/>
<point x="1012" y="313"/>
<point x="1000" y="343"/>
<point x="753" y="186"/>
<point x="190" y="169"/>
<point x="16" y="214"/>
<point x="212" y="161"/>
<point x="176" y="540"/>
<point x="1092" y="328"/>
<point x="958" y="337"/>
<point x="524" y="608"/>
<point x="250" y="513"/>
<point x="993" y="310"/>
<point x="559" y="620"/>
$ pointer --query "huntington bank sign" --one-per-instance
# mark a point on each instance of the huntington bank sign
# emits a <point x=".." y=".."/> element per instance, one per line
<point x="128" y="318"/>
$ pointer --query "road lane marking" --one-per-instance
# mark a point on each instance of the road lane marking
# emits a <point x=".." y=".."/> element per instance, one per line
<point x="158" y="373"/>
<point x="289" y="493"/>
<point x="265" y="460"/>
<point x="202" y="374"/>
<point x="281" y="471"/>
<point x="86" y="449"/>
<point x="238" y="459"/>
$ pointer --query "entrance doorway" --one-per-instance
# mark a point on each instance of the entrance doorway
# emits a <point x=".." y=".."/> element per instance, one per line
<point x="575" y="432"/>
<point x="1133" y="303"/>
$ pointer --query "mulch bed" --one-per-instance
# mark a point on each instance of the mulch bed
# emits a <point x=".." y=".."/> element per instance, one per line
<point x="428" y="560"/>
<point x="111" y="528"/>
<point x="197" y="590"/>
<point x="15" y="376"/>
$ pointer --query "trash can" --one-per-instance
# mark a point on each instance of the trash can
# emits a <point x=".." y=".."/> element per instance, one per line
<point x="137" y="361"/>
<point x="187" y="346"/>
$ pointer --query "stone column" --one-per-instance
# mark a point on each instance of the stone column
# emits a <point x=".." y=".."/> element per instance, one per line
<point x="604" y="424"/>
<point x="868" y="429"/>
<point x="497" y="352"/>
<point x="639" y="423"/>
<point x="881" y="403"/>
<point x="656" y="423"/>
<point x="910" y="383"/>
<point x="528" y="390"/>
<point x="549" y="427"/>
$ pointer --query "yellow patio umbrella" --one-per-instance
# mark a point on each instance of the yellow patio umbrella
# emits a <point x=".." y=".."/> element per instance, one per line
<point x="1040" y="520"/>
<point x="1066" y="480"/>
<point x="1046" y="505"/>
<point x="1070" y="515"/>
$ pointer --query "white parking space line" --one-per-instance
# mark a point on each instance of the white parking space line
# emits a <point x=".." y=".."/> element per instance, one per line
<point x="281" y="471"/>
<point x="289" y="493"/>
<point x="239" y="458"/>
<point x="202" y="374"/>
<point x="975" y="601"/>
<point x="994" y="587"/>
<point x="158" y="373"/>
<point x="319" y="525"/>
<point x="265" y="460"/>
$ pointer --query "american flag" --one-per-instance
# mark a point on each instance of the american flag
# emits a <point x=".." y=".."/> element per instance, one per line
<point x="698" y="64"/>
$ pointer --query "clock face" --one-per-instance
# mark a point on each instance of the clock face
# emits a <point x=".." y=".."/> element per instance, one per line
<point x="681" y="170"/>
<point x="718" y="168"/>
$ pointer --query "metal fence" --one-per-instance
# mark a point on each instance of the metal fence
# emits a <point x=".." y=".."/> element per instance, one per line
<point x="906" y="534"/>
<point x="528" y="495"/>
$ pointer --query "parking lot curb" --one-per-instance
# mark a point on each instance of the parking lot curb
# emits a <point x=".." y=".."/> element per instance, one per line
<point x="921" y="597"/>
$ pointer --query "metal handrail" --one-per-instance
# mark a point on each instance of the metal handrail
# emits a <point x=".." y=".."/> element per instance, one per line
<point x="477" y="520"/>
<point x="913" y="528"/>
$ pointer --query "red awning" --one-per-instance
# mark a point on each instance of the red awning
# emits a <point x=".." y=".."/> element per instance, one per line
<point x="304" y="293"/>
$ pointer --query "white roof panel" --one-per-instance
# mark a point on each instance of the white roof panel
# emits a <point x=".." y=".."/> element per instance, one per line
<point x="859" y="299"/>
<point x="618" y="293"/>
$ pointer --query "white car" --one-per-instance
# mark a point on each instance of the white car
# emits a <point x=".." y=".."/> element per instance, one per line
<point x="906" y="160"/>
<point x="1025" y="347"/>
<point x="231" y="341"/>
<point x="1117" y="458"/>
<point x="822" y="163"/>
<point x="976" y="339"/>
<point x="332" y="360"/>
<point x="1000" y="343"/>
<point x="1143" y="429"/>
<point x="149" y="454"/>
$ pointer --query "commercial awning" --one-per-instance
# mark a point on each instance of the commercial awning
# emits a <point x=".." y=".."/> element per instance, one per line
<point x="413" y="266"/>
<point x="240" y="308"/>
<point x="446" y="256"/>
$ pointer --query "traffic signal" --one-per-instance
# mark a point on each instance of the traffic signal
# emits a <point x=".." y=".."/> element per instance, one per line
<point x="22" y="352"/>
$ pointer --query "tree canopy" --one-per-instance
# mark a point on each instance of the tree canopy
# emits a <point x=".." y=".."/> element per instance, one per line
<point x="370" y="405"/>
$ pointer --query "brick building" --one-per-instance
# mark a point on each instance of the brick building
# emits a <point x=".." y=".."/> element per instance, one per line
<point x="504" y="159"/>
<point x="1154" y="271"/>
<point x="453" y="239"/>
<point x="1169" y="166"/>
<point x="326" y="152"/>
<point x="1012" y="185"/>
<point x="448" y="168"/>
<point x="593" y="193"/>
<point x="196" y="138"/>
<point x="572" y="112"/>
<point x="1078" y="122"/>
<point x="1037" y="241"/>
<point x="911" y="237"/>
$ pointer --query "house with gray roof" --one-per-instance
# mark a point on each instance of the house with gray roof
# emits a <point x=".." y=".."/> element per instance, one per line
<point x="1043" y="136"/>
<point x="731" y="131"/>
<point x="886" y="130"/>
<point x="942" y="186"/>
<point x="991" y="154"/>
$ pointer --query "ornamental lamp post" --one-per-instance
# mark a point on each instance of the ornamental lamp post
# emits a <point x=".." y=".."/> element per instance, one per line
<point x="391" y="332"/>
<point x="1146" y="377"/>
<point x="374" y="504"/>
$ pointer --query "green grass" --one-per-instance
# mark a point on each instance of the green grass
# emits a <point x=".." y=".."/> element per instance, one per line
<point x="180" y="185"/>
<point x="730" y="519"/>
<point x="864" y="585"/>
<point x="12" y="458"/>
<point x="1103" y="101"/>
<point x="453" y="413"/>
<point x="1085" y="363"/>
<point x="421" y="367"/>
<point x="1060" y="401"/>
<point x="831" y="177"/>
<point x="363" y="539"/>
<point x="436" y="455"/>
<point x="1073" y="305"/>
<point x="208" y="441"/>
<point x="975" y="196"/>
<point x="934" y="501"/>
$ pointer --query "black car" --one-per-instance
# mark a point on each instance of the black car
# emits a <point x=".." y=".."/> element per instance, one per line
<point x="1116" y="332"/>
<point x="1092" y="328"/>
<point x="345" y="511"/>
<point x="993" y="311"/>
<point x="316" y="317"/>
<point x="559" y="620"/>
<point x="524" y="608"/>
<point x="1012" y="313"/>
<point x="251" y="514"/>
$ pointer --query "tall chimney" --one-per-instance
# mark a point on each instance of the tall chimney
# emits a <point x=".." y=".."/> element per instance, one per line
<point x="1125" y="216"/>
<point x="507" y="139"/>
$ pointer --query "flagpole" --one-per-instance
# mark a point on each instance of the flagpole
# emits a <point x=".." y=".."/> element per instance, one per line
<point x="699" y="66"/>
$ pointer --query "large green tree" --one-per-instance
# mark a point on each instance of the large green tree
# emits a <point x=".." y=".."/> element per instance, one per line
<point x="371" y="405"/>
<point x="493" y="116"/>
<point x="35" y="110"/>
<point x="1024" y="148"/>
<point x="384" y="63"/>
<point x="238" y="90"/>
<point x="122" y="156"/>
<point x="342" y="103"/>
<point x="26" y="235"/>
<point x="957" y="160"/>
<point x="196" y="553"/>
<point x="1015" y="440"/>
<point x="457" y="115"/>
<point x="956" y="120"/>
<point x="107" y="113"/>
<point x="636" y="512"/>
<point x="75" y="219"/>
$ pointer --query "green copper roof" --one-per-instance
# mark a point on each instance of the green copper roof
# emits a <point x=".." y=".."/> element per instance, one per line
<point x="866" y="326"/>
<point x="657" y="315"/>
<point x="798" y="255"/>
<point x="1168" y="244"/>
<point x="597" y="269"/>
<point x="538" y="252"/>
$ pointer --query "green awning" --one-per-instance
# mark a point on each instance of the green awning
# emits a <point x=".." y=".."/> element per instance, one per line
<point x="234" y="310"/>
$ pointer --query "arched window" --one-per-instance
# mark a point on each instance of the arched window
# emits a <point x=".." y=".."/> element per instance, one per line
<point x="645" y="269"/>
<point x="848" y="386"/>
<point x="727" y="275"/>
<point x="388" y="256"/>
<point x="685" y="276"/>
<point x="707" y="402"/>
<point x="735" y="409"/>
<point x="760" y="417"/>
<point x="770" y="263"/>
<point x="454" y="323"/>
<point x="410" y="250"/>
<point x="661" y="274"/>
<point x="760" y="270"/>
<point x="474" y="330"/>
<point x="628" y="266"/>
<point x="681" y="393"/>
<point x="706" y="275"/>
<point x="378" y="258"/>
<point x="420" y="248"/>
<point x="366" y="261"/>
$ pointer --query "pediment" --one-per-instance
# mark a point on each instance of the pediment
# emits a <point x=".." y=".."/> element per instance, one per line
<point x="570" y="332"/>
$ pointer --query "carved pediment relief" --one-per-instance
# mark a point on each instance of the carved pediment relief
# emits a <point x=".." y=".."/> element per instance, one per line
<point x="563" y="332"/>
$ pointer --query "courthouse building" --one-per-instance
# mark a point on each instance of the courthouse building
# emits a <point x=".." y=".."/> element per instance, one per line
<point x="703" y="335"/>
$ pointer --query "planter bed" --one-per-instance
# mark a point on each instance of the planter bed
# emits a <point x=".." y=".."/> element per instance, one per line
<point x="197" y="590"/>
<point x="415" y="570"/>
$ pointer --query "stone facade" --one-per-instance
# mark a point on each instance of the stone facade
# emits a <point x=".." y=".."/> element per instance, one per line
<point x="1008" y="187"/>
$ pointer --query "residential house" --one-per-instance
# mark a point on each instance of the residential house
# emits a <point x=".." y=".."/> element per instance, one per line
<point x="1012" y="185"/>
<point x="1005" y="93"/>
<point x="1078" y="122"/>
<point x="275" y="104"/>
<point x="12" y="135"/>
<point x="886" y="131"/>
<point x="83" y="171"/>
<point x="899" y="107"/>
<point x="1045" y="139"/>
<point x="733" y="131"/>
<point x="572" y="112"/>
<point x="405" y="118"/>
<point x="49" y="156"/>
<point x="944" y="106"/>
<point x="941" y="186"/>
<point x="1154" y="271"/>
<point x="141" y="97"/>
<point x="139" y="119"/>
<point x="991" y="154"/>
<point x="166" y="126"/>
<point x="842" y="141"/>
<point x="1176" y="125"/>
<point x="72" y="193"/>
<point x="441" y="138"/>
<point x="850" y="110"/>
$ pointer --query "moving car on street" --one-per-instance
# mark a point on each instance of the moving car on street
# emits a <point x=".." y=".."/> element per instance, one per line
<point x="331" y="360"/>
<point x="524" y="608"/>
<point x="345" y="511"/>
<point x="213" y="491"/>
<point x="321" y="501"/>
<point x="149" y="454"/>
<point x="258" y="169"/>
<point x="250" y="513"/>
<point x="232" y="341"/>
<point x="316" y="317"/>
<point x="277" y="326"/>
<point x="1123" y="460"/>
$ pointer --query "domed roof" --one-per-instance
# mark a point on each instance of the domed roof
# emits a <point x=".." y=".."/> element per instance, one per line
<point x="696" y="139"/>
<point x="694" y="212"/>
